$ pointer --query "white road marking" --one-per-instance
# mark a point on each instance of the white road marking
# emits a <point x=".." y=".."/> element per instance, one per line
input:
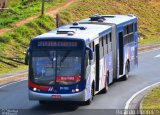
<point x="137" y="93"/>
<point x="12" y="83"/>
<point x="157" y="56"/>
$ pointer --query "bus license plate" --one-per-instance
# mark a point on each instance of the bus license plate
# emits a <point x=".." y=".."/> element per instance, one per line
<point x="56" y="96"/>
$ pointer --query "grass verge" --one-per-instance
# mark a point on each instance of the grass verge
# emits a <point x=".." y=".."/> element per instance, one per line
<point x="19" y="9"/>
<point x="13" y="44"/>
<point x="152" y="100"/>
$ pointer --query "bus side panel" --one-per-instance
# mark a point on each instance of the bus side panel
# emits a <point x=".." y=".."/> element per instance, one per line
<point x="127" y="55"/>
<point x="106" y="64"/>
<point x="109" y="67"/>
<point x="90" y="78"/>
<point x="104" y="70"/>
<point x="117" y="52"/>
<point x="134" y="51"/>
<point x="102" y="74"/>
<point x="88" y="87"/>
<point x="132" y="57"/>
<point x="136" y="48"/>
<point x="129" y="52"/>
<point x="106" y="67"/>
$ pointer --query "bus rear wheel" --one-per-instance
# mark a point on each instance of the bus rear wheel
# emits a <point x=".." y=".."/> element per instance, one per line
<point x="105" y="89"/>
<point x="125" y="77"/>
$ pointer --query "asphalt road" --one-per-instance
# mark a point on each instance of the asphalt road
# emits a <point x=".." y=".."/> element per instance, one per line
<point x="15" y="96"/>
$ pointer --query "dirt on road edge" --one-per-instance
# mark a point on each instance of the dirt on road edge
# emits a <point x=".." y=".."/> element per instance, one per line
<point x="13" y="78"/>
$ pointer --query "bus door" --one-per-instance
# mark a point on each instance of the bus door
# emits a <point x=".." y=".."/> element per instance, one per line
<point x="121" y="53"/>
<point x="97" y="55"/>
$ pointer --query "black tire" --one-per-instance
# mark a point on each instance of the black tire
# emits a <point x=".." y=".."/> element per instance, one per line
<point x="89" y="101"/>
<point x="105" y="89"/>
<point x="125" y="77"/>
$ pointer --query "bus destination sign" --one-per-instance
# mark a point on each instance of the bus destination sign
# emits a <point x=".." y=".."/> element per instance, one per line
<point x="56" y="44"/>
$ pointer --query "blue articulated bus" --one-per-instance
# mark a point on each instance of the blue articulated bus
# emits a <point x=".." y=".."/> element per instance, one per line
<point x="77" y="61"/>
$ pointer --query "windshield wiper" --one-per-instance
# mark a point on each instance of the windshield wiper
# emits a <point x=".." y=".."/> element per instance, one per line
<point x="64" y="57"/>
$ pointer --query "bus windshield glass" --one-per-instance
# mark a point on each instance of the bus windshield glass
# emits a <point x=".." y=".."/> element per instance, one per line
<point x="56" y="67"/>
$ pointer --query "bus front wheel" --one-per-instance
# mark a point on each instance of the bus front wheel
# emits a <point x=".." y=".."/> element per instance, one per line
<point x="105" y="89"/>
<point x="89" y="101"/>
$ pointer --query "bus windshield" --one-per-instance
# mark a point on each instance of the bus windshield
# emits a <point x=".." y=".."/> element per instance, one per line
<point x="60" y="67"/>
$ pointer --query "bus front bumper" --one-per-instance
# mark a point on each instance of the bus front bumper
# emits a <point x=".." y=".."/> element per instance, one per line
<point x="80" y="96"/>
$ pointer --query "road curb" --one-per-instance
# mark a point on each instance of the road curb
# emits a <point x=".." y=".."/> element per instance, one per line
<point x="135" y="102"/>
<point x="140" y="105"/>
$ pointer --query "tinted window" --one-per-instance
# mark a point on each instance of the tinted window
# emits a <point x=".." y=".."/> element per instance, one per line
<point x="52" y="66"/>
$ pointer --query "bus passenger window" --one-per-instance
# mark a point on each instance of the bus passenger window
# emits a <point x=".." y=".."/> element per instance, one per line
<point x="106" y="39"/>
<point x="105" y="45"/>
<point x="125" y="30"/>
<point x="102" y="41"/>
<point x="93" y="45"/>
<point x="135" y="27"/>
<point x="101" y="49"/>
<point x="110" y="37"/>
<point x="131" y="27"/>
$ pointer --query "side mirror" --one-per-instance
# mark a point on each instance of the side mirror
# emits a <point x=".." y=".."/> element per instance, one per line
<point x="27" y="57"/>
<point x="90" y="53"/>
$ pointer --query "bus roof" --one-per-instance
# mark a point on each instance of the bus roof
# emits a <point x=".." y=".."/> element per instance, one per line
<point x="87" y="31"/>
<point x="117" y="19"/>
